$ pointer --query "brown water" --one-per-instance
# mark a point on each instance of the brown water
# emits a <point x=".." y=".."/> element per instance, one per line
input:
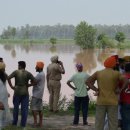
<point x="69" y="54"/>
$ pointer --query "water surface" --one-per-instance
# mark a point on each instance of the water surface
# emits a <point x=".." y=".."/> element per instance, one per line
<point x="92" y="60"/>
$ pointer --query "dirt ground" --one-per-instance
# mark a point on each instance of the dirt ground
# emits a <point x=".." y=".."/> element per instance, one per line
<point x="63" y="123"/>
<point x="56" y="122"/>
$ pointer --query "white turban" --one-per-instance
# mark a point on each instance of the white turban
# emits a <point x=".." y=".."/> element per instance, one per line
<point x="54" y="58"/>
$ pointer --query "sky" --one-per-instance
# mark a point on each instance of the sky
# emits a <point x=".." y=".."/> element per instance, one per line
<point x="51" y="12"/>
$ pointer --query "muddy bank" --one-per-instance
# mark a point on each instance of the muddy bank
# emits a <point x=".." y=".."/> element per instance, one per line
<point x="63" y="123"/>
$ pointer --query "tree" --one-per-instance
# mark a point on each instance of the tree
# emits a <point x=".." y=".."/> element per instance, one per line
<point x="101" y="36"/>
<point x="26" y="34"/>
<point x="13" y="32"/>
<point x="120" y="37"/>
<point x="85" y="35"/>
<point x="53" y="40"/>
<point x="104" y="41"/>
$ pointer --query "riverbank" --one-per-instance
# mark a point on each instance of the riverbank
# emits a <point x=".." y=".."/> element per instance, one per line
<point x="56" y="122"/>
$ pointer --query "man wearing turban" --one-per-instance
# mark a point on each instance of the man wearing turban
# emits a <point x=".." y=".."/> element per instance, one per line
<point x="37" y="94"/>
<point x="81" y="98"/>
<point x="54" y="71"/>
<point x="107" y="98"/>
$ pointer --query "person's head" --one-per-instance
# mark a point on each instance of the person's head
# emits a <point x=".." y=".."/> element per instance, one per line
<point x="127" y="67"/>
<point x="21" y="65"/>
<point x="2" y="72"/>
<point x="54" y="59"/>
<point x="1" y="59"/>
<point x="110" y="62"/>
<point x="39" y="66"/>
<point x="79" y="67"/>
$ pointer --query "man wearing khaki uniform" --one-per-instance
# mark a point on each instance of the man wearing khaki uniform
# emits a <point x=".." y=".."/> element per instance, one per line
<point x="106" y="92"/>
<point x="54" y="71"/>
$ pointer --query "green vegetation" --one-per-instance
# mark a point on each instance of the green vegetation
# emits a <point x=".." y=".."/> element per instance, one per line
<point x="53" y="40"/>
<point x="103" y="41"/>
<point x="85" y="35"/>
<point x="36" y="41"/>
<point x="66" y="107"/>
<point x="120" y="37"/>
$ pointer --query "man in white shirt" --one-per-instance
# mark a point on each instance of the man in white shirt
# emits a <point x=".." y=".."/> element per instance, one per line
<point x="37" y="94"/>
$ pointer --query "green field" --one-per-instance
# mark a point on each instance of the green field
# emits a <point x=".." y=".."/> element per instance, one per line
<point x="36" y="41"/>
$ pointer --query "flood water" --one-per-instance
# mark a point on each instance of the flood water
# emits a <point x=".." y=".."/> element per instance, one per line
<point x="92" y="60"/>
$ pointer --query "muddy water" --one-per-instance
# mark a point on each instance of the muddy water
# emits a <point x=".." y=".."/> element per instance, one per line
<point x="92" y="59"/>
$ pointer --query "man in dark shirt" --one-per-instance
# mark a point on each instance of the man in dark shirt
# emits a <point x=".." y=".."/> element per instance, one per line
<point x="21" y="95"/>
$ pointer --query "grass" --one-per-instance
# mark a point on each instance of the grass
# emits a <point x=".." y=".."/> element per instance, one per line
<point x="36" y="41"/>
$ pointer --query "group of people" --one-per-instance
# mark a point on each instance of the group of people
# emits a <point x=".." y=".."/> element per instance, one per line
<point x="24" y="79"/>
<point x="112" y="91"/>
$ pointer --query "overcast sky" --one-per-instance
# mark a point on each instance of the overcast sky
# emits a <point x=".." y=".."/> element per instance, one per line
<point x="51" y="12"/>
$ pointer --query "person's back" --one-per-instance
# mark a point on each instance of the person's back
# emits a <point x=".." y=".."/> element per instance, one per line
<point x="79" y="81"/>
<point x="22" y="78"/>
<point x="21" y="95"/>
<point x="54" y="71"/>
<point x="107" y="81"/>
<point x="81" y="98"/>
<point x="39" y="88"/>
<point x="106" y="92"/>
<point x="37" y="94"/>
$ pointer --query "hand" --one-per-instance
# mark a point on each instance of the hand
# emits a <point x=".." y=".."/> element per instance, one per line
<point x="60" y="62"/>
<point x="117" y="91"/>
<point x="8" y="95"/>
<point x="13" y="87"/>
<point x="1" y="106"/>
<point x="74" y="88"/>
<point x="96" y="93"/>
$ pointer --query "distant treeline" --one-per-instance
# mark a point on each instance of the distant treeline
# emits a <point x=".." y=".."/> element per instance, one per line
<point x="59" y="31"/>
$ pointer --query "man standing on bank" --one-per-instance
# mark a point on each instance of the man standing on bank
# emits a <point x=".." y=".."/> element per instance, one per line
<point x="21" y="95"/>
<point x="54" y="71"/>
<point x="106" y="92"/>
<point x="37" y="94"/>
<point x="81" y="99"/>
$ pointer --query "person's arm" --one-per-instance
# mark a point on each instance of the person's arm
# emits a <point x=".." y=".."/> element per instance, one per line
<point x="47" y="78"/>
<point x="32" y="80"/>
<point x="39" y="78"/>
<point x="125" y="84"/>
<point x="88" y="88"/>
<point x="90" y="83"/>
<point x="70" y="85"/>
<point x="9" y="80"/>
<point x="1" y="106"/>
<point x="62" y="67"/>
<point x="87" y="76"/>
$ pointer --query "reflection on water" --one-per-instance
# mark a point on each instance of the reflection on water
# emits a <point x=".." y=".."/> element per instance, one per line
<point x="92" y="59"/>
<point x="87" y="58"/>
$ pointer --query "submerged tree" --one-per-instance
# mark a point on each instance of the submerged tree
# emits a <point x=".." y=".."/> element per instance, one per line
<point x="53" y="40"/>
<point x="120" y="37"/>
<point x="85" y="35"/>
<point x="104" y="41"/>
